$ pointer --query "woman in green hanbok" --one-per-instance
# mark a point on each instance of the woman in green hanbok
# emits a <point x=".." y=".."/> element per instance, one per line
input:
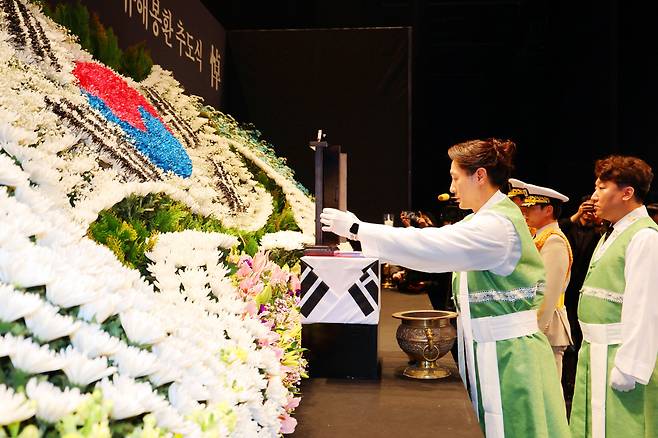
<point x="505" y="361"/>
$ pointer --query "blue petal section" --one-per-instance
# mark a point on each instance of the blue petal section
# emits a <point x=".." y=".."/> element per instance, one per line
<point x="157" y="143"/>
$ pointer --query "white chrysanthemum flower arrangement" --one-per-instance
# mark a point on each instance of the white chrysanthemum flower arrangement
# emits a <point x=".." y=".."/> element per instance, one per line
<point x="85" y="340"/>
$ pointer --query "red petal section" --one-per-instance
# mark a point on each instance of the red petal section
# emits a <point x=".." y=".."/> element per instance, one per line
<point x="123" y="100"/>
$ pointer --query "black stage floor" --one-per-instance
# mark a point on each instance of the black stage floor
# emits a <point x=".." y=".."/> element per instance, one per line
<point x="394" y="406"/>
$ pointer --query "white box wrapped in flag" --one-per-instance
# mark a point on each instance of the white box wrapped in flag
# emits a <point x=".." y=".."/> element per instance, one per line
<point x="340" y="290"/>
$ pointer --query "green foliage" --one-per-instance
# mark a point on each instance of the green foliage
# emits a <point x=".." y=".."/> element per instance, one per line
<point x="101" y="42"/>
<point x="136" y="62"/>
<point x="75" y="17"/>
<point x="284" y="257"/>
<point x="130" y="228"/>
<point x="105" y="44"/>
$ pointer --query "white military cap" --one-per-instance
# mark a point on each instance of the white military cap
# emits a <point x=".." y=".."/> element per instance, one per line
<point x="516" y="188"/>
<point x="541" y="195"/>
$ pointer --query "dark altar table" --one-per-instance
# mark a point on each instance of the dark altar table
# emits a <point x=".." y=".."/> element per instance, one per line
<point x="392" y="406"/>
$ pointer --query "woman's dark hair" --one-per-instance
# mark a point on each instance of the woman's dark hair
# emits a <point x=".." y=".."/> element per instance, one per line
<point x="492" y="154"/>
<point x="626" y="171"/>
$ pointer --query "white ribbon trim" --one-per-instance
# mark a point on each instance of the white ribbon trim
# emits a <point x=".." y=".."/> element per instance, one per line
<point x="499" y="328"/>
<point x="512" y="295"/>
<point x="464" y="320"/>
<point x="490" y="387"/>
<point x="603" y="294"/>
<point x="599" y="337"/>
<point x="599" y="365"/>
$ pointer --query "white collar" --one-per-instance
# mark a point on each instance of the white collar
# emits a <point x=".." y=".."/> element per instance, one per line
<point x="553" y="224"/>
<point x="619" y="227"/>
<point x="630" y="217"/>
<point x="495" y="199"/>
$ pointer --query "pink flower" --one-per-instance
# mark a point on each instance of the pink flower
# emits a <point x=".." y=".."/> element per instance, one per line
<point x="278" y="352"/>
<point x="288" y="423"/>
<point x="295" y="285"/>
<point x="293" y="403"/>
<point x="270" y="339"/>
<point x="251" y="308"/>
<point x="278" y="276"/>
<point x="245" y="259"/>
<point x="260" y="262"/>
<point x="256" y="289"/>
<point x="244" y="270"/>
<point x="248" y="282"/>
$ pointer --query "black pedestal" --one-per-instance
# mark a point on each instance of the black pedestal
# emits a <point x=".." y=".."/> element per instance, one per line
<point x="341" y="350"/>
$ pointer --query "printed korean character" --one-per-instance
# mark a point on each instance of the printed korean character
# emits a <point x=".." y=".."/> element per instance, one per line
<point x="156" y="21"/>
<point x="190" y="46"/>
<point x="215" y="60"/>
<point x="198" y="53"/>
<point x="181" y="36"/>
<point x="167" y="26"/>
<point x="128" y="7"/>
<point x="143" y="9"/>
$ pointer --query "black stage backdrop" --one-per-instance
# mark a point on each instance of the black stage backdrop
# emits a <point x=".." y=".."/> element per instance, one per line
<point x="354" y="84"/>
<point x="182" y="37"/>
<point x="569" y="81"/>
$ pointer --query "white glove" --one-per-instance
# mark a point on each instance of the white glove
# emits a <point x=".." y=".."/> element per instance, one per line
<point x="620" y="381"/>
<point x="338" y="222"/>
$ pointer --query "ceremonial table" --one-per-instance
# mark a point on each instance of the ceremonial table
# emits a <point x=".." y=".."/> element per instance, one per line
<point x="340" y="309"/>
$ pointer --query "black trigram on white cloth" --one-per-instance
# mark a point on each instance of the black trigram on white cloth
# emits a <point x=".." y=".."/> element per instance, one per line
<point x="368" y="283"/>
<point x="313" y="287"/>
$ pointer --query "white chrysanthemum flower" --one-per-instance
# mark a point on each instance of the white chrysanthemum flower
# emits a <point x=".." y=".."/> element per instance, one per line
<point x="30" y="196"/>
<point x="165" y="374"/>
<point x="21" y="217"/>
<point x="53" y="403"/>
<point x="71" y="289"/>
<point x="28" y="267"/>
<point x="6" y="345"/>
<point x="10" y="174"/>
<point x="181" y="399"/>
<point x="141" y="327"/>
<point x="169" y="418"/>
<point x="12" y="134"/>
<point x="82" y="371"/>
<point x="55" y="145"/>
<point x="47" y="325"/>
<point x="222" y="287"/>
<point x="134" y="362"/>
<point x="35" y="359"/>
<point x="168" y="283"/>
<point x="287" y="240"/>
<point x="195" y="387"/>
<point x="40" y="173"/>
<point x="101" y="308"/>
<point x="92" y="341"/>
<point x="170" y="352"/>
<point x="161" y="268"/>
<point x="14" y="407"/>
<point x="126" y="396"/>
<point x="146" y="300"/>
<point x="193" y="278"/>
<point x="15" y="305"/>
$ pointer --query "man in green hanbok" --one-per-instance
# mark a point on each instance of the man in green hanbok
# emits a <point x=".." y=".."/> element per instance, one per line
<point x="616" y="393"/>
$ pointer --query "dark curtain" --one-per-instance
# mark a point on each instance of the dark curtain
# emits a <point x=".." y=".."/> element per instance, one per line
<point x="354" y="84"/>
